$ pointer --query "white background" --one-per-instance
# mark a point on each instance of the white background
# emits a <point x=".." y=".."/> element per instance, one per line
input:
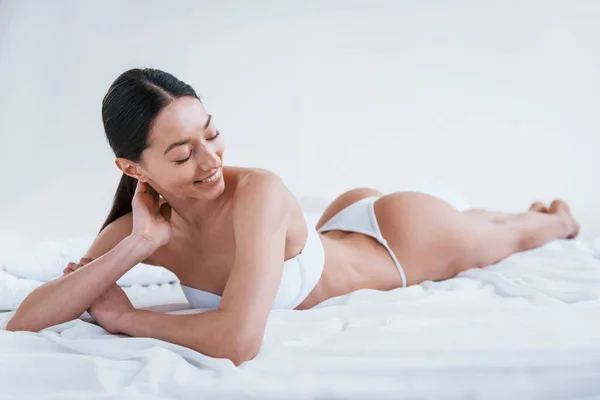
<point x="499" y="100"/>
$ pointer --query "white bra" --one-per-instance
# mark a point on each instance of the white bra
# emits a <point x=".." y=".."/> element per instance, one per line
<point x="300" y="275"/>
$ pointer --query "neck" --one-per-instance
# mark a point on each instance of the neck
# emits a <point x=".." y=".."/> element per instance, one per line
<point x="194" y="212"/>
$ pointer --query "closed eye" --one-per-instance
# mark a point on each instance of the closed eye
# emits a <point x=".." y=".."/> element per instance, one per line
<point x="214" y="137"/>
<point x="179" y="162"/>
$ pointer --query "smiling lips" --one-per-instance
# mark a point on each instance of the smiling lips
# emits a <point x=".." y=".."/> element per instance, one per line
<point x="214" y="178"/>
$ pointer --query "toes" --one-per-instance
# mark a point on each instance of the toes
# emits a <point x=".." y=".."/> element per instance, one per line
<point x="561" y="206"/>
<point x="558" y="205"/>
<point x="576" y="229"/>
<point x="539" y="207"/>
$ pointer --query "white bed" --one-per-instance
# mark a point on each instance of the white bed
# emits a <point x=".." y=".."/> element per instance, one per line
<point x="528" y="327"/>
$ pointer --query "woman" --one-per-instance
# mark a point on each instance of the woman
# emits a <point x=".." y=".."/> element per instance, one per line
<point x="238" y="240"/>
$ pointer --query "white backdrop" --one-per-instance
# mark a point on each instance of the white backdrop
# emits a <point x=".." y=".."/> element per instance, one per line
<point x="498" y="100"/>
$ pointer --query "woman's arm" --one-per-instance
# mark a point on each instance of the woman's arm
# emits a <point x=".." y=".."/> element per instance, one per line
<point x="118" y="248"/>
<point x="235" y="331"/>
<point x="66" y="298"/>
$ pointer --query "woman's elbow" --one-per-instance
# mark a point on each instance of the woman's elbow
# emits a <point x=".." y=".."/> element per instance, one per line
<point x="11" y="326"/>
<point x="26" y="319"/>
<point x="244" y="349"/>
<point x="14" y="325"/>
<point x="240" y="345"/>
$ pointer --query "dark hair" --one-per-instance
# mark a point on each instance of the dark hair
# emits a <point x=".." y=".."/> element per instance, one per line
<point x="128" y="111"/>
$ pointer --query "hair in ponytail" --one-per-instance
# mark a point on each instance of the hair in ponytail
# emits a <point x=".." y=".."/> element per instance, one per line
<point x="128" y="110"/>
<point x="122" y="200"/>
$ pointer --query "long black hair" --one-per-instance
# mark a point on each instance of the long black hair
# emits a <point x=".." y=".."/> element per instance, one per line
<point x="128" y="110"/>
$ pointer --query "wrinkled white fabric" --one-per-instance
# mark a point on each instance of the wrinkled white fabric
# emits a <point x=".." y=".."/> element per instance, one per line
<point x="525" y="328"/>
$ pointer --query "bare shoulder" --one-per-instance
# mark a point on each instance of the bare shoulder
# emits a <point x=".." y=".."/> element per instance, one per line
<point x="243" y="176"/>
<point x="260" y="184"/>
<point x="257" y="176"/>
<point x="261" y="192"/>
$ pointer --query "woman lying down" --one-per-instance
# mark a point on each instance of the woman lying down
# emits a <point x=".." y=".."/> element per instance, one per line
<point x="238" y="240"/>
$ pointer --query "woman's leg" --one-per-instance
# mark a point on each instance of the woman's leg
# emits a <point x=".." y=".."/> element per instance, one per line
<point x="495" y="216"/>
<point x="433" y="241"/>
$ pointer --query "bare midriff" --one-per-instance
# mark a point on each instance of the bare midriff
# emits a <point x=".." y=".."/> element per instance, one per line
<point x="353" y="261"/>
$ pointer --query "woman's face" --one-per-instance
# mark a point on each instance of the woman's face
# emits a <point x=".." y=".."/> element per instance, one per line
<point x="185" y="153"/>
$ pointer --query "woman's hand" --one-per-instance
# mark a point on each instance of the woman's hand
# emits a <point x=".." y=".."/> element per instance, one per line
<point x="110" y="306"/>
<point x="150" y="222"/>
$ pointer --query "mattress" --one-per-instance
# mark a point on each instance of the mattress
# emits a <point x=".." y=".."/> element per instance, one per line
<point x="528" y="327"/>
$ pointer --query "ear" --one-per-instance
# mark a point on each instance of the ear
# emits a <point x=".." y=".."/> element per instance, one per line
<point x="132" y="169"/>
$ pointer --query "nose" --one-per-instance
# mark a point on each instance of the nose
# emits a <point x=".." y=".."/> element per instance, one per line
<point x="208" y="159"/>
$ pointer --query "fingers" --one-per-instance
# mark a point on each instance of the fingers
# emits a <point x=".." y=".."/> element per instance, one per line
<point x="152" y="193"/>
<point x="140" y="187"/>
<point x="143" y="187"/>
<point x="71" y="267"/>
<point x="85" y="260"/>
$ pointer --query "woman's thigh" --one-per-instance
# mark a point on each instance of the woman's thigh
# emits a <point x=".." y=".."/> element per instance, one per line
<point x="434" y="241"/>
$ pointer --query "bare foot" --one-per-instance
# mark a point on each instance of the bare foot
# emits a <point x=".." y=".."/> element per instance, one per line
<point x="561" y="207"/>
<point x="539" y="207"/>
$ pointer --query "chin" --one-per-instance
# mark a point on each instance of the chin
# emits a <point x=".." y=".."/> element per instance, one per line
<point x="209" y="193"/>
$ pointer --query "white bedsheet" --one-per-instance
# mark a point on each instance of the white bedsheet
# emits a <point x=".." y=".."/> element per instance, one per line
<point x="13" y="291"/>
<point x="45" y="260"/>
<point x="528" y="327"/>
